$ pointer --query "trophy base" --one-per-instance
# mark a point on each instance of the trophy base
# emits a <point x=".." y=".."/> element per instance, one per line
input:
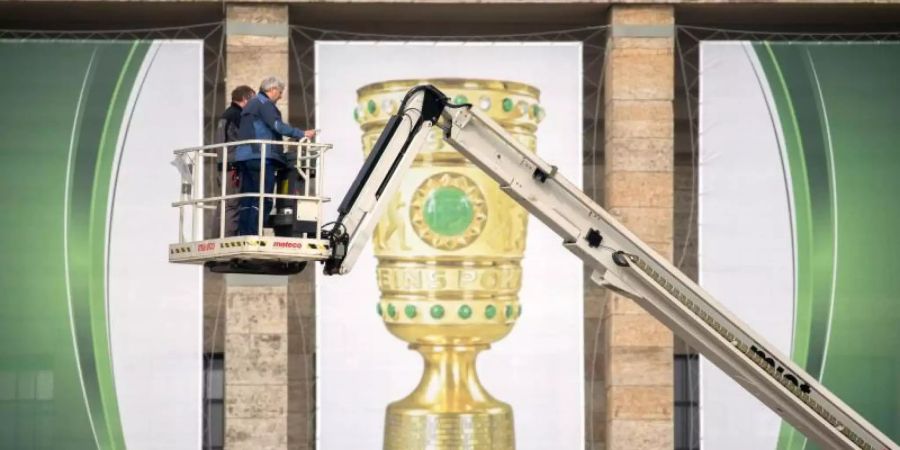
<point x="411" y="429"/>
<point x="449" y="410"/>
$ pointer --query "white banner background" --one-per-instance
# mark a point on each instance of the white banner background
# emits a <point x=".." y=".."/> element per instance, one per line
<point x="155" y="308"/>
<point x="745" y="253"/>
<point x="538" y="368"/>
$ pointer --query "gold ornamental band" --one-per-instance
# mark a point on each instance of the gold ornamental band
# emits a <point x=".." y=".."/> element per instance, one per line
<point x="514" y="105"/>
<point x="500" y="311"/>
<point x="432" y="431"/>
<point x="433" y="280"/>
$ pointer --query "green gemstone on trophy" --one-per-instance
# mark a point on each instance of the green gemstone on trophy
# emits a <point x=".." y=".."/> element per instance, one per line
<point x="490" y="311"/>
<point x="538" y="112"/>
<point x="448" y="211"/>
<point x="460" y="100"/>
<point x="465" y="311"/>
<point x="378" y="308"/>
<point x="437" y="311"/>
<point x="507" y="105"/>
<point x="509" y="311"/>
<point x="520" y="311"/>
<point x="410" y="311"/>
<point x="356" y="114"/>
<point x="372" y="106"/>
<point x="392" y="312"/>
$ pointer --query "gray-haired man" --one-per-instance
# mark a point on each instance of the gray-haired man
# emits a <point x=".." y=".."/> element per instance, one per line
<point x="261" y="119"/>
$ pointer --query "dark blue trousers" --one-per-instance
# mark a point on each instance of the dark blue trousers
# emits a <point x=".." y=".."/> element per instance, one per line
<point x="248" y="214"/>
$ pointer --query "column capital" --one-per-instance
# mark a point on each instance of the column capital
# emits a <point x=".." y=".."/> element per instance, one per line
<point x="642" y="15"/>
<point x="266" y="20"/>
<point x="256" y="38"/>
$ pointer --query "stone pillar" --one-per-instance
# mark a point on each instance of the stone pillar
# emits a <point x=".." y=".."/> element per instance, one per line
<point x="270" y="362"/>
<point x="256" y="363"/>
<point x="258" y="319"/>
<point x="256" y="46"/>
<point x="639" y="160"/>
<point x="302" y="359"/>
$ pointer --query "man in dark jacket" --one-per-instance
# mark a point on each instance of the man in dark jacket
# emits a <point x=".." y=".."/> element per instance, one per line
<point x="227" y="129"/>
<point x="230" y="120"/>
<point x="261" y="119"/>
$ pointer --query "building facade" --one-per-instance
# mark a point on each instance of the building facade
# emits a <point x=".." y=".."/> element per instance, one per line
<point x="639" y="163"/>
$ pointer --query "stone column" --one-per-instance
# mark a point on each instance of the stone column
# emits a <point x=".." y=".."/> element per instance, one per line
<point x="256" y="363"/>
<point x="256" y="46"/>
<point x="258" y="319"/>
<point x="302" y="359"/>
<point x="639" y="91"/>
<point x="270" y="362"/>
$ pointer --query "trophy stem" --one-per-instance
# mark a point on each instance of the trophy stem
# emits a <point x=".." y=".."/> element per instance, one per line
<point x="450" y="409"/>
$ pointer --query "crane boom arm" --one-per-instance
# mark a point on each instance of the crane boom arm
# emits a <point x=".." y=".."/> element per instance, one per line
<point x="620" y="260"/>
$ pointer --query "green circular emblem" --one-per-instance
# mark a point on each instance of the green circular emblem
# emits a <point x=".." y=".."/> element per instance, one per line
<point x="437" y="311"/>
<point x="448" y="211"/>
<point x="490" y="311"/>
<point x="392" y="311"/>
<point x="465" y="312"/>
<point x="460" y="100"/>
<point x="509" y="311"/>
<point x="372" y="107"/>
<point x="507" y="105"/>
<point x="378" y="308"/>
<point x="410" y="311"/>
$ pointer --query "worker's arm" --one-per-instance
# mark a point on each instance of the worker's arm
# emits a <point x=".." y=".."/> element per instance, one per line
<point x="272" y="119"/>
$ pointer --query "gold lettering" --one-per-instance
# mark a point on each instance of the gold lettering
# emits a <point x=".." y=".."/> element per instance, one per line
<point x="437" y="280"/>
<point x="411" y="280"/>
<point x="490" y="279"/>
<point x="467" y="278"/>
<point x="508" y="279"/>
<point x="385" y="279"/>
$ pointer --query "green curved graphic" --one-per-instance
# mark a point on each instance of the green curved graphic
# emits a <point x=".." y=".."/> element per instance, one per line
<point x="59" y="144"/>
<point x="838" y="106"/>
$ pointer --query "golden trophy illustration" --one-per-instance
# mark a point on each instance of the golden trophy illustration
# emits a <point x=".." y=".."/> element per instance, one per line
<point x="449" y="249"/>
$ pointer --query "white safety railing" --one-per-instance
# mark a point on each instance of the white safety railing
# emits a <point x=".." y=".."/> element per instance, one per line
<point x="306" y="157"/>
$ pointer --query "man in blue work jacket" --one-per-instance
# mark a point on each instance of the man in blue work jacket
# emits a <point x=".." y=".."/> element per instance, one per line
<point x="261" y="119"/>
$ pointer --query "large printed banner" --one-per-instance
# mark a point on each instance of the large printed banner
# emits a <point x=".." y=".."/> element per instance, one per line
<point x="799" y="163"/>
<point x="100" y="337"/>
<point x="452" y="238"/>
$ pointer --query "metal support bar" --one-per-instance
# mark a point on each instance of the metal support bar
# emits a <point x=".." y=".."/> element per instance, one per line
<point x="251" y="194"/>
<point x="224" y="173"/>
<point x="194" y="197"/>
<point x="262" y="185"/>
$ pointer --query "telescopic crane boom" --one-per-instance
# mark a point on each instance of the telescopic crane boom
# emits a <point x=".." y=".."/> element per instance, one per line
<point x="620" y="260"/>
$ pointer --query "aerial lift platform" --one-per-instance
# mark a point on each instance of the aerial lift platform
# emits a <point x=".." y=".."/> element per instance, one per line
<point x="283" y="242"/>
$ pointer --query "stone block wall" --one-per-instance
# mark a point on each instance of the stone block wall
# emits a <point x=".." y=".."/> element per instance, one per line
<point x="638" y="183"/>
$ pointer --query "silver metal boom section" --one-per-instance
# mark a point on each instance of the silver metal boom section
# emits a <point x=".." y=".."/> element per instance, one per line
<point x="624" y="263"/>
<point x="382" y="181"/>
<point x="619" y="259"/>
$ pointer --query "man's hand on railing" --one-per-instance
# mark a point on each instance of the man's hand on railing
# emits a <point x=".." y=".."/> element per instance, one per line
<point x="309" y="134"/>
